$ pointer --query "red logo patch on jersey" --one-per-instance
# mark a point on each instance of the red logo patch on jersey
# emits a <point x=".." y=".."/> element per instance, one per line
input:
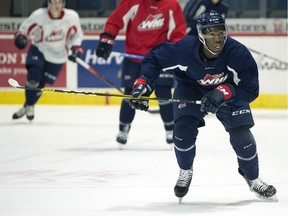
<point x="55" y="36"/>
<point x="213" y="79"/>
<point x="152" y="22"/>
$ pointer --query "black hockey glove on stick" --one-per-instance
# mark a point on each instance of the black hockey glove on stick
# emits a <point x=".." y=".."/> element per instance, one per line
<point x="216" y="98"/>
<point x="76" y="52"/>
<point x="105" y="46"/>
<point x="20" y="41"/>
<point x="140" y="88"/>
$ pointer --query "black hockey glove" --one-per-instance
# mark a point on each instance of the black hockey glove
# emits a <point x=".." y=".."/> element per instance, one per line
<point x="20" y="41"/>
<point x="76" y="52"/>
<point x="105" y="46"/>
<point x="140" y="88"/>
<point x="217" y="97"/>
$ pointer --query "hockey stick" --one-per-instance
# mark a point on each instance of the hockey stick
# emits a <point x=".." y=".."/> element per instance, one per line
<point x="96" y="73"/>
<point x="134" y="57"/>
<point x="15" y="84"/>
<point x="127" y="55"/>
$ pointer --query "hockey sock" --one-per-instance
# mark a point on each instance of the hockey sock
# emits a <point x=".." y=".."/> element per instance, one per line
<point x="243" y="143"/>
<point x="126" y="113"/>
<point x="185" y="133"/>
<point x="31" y="95"/>
<point x="166" y="108"/>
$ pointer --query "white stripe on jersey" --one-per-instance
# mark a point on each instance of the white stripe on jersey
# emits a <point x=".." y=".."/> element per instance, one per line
<point x="181" y="67"/>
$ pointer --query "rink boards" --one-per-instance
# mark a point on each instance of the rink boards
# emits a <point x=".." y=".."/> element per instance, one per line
<point x="272" y="66"/>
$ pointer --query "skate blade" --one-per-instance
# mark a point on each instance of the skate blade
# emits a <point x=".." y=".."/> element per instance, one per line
<point x="121" y="146"/>
<point x="268" y="199"/>
<point x="180" y="200"/>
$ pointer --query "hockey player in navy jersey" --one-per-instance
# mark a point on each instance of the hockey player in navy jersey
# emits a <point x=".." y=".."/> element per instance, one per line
<point x="147" y="23"/>
<point x="52" y="31"/>
<point x="220" y="72"/>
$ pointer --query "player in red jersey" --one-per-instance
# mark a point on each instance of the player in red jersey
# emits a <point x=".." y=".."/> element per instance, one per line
<point x="147" y="23"/>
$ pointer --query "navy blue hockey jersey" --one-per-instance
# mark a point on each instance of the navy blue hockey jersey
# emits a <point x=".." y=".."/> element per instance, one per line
<point x="235" y="65"/>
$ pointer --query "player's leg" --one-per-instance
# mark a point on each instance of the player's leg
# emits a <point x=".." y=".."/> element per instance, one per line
<point x="237" y="122"/>
<point x="130" y="72"/>
<point x="39" y="73"/>
<point x="125" y="119"/>
<point x="34" y="66"/>
<point x="166" y="110"/>
<point x="185" y="134"/>
<point x="187" y="120"/>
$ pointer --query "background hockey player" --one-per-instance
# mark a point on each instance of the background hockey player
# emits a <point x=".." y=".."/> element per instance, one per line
<point x="52" y="32"/>
<point x="194" y="8"/>
<point x="220" y="72"/>
<point x="147" y="23"/>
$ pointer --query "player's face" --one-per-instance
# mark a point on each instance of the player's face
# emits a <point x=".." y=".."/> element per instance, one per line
<point x="55" y="8"/>
<point x="215" y="39"/>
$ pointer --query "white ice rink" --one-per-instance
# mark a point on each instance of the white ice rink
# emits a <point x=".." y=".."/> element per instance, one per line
<point x="67" y="163"/>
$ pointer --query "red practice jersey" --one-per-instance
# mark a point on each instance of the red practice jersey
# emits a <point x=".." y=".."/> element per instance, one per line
<point x="147" y="23"/>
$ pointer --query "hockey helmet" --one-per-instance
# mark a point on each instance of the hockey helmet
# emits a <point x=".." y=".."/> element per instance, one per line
<point x="209" y="22"/>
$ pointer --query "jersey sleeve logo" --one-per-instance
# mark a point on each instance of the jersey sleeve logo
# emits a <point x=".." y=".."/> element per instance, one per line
<point x="152" y="22"/>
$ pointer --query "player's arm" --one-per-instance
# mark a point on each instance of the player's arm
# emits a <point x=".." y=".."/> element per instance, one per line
<point x="27" y="28"/>
<point x="22" y="35"/>
<point x="116" y="21"/>
<point x="157" y="59"/>
<point x="75" y="38"/>
<point x="177" y="25"/>
<point x="246" y="79"/>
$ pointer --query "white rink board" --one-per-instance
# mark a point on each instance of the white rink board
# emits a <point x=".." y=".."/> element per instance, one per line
<point x="273" y="80"/>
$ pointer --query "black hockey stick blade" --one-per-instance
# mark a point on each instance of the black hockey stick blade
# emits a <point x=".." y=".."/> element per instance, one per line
<point x="15" y="84"/>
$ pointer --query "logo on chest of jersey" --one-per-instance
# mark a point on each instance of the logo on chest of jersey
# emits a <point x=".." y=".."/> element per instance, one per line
<point x="55" y="36"/>
<point x="213" y="79"/>
<point x="152" y="22"/>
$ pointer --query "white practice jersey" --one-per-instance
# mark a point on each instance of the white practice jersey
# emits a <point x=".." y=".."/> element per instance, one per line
<point x="53" y="37"/>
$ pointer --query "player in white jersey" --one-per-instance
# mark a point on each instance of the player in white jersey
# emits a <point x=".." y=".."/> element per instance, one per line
<point x="53" y="31"/>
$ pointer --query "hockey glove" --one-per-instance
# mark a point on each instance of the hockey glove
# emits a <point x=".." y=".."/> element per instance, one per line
<point x="76" y="52"/>
<point x="20" y="41"/>
<point x="140" y="88"/>
<point x="105" y="46"/>
<point x="216" y="98"/>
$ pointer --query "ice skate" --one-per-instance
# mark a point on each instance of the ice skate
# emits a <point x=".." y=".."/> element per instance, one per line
<point x="30" y="112"/>
<point x="182" y="185"/>
<point x="20" y="113"/>
<point x="122" y="139"/>
<point x="262" y="190"/>
<point x="169" y="137"/>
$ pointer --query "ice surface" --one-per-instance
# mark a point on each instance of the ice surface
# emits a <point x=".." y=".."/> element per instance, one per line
<point x="67" y="163"/>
